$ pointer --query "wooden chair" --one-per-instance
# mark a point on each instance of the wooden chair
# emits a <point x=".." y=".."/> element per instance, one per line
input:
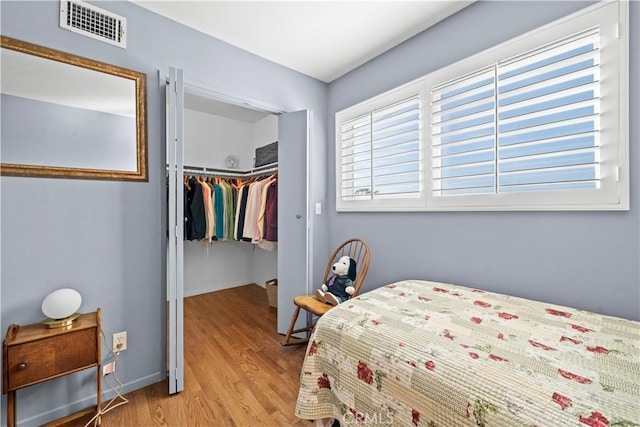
<point x="354" y="248"/>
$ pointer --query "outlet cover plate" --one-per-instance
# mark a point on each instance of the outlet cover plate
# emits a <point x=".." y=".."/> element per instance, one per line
<point x="120" y="341"/>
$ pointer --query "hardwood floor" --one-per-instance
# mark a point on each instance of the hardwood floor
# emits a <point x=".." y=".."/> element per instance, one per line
<point x="236" y="371"/>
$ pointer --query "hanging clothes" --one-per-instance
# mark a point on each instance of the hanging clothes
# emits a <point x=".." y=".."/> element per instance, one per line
<point x="241" y="211"/>
<point x="195" y="198"/>
<point x="259" y="234"/>
<point x="227" y="210"/>
<point x="219" y="208"/>
<point x="229" y="217"/>
<point x="251" y="212"/>
<point x="271" y="213"/>
<point x="208" y="210"/>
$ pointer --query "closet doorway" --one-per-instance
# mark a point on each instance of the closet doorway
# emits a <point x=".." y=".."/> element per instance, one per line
<point x="217" y="135"/>
<point x="220" y="142"/>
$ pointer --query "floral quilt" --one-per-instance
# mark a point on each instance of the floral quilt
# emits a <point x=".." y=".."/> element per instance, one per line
<point x="418" y="353"/>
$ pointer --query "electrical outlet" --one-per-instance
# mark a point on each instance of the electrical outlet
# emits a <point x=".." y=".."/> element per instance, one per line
<point x="120" y="341"/>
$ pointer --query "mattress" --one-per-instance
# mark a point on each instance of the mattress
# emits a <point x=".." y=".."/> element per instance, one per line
<point x="418" y="353"/>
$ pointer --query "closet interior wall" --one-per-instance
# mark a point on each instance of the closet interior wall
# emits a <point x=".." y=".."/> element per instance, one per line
<point x="212" y="131"/>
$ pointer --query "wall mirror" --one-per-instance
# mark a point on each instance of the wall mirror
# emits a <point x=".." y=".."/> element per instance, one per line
<point x="66" y="116"/>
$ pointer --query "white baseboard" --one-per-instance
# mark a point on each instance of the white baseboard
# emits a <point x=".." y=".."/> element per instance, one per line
<point x="194" y="292"/>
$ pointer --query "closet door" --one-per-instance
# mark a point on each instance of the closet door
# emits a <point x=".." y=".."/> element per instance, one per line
<point x="293" y="217"/>
<point x="175" y="252"/>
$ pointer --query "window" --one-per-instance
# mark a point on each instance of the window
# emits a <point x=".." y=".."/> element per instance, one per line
<point x="379" y="155"/>
<point x="539" y="122"/>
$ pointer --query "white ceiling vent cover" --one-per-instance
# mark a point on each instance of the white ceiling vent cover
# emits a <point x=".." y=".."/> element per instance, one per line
<point x="91" y="21"/>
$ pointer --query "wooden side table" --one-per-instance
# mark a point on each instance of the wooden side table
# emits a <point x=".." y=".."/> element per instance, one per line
<point x="34" y="354"/>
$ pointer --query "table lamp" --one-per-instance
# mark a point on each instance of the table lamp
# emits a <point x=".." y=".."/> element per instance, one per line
<point x="60" y="307"/>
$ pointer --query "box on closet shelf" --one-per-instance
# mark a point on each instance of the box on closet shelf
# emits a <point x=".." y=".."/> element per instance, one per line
<point x="272" y="292"/>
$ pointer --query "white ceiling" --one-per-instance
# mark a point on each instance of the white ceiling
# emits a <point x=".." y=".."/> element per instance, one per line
<point x="322" y="39"/>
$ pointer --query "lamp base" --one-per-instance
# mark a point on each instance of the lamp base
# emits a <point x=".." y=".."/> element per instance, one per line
<point x="60" y="323"/>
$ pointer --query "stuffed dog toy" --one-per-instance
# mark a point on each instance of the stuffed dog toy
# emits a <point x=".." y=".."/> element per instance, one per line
<point x="339" y="287"/>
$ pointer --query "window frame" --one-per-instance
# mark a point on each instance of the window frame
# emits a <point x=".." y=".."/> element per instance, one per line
<point x="613" y="19"/>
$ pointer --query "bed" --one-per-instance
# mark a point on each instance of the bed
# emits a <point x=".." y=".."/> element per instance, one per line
<point x="418" y="353"/>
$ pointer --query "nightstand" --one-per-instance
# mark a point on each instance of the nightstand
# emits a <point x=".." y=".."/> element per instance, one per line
<point x="34" y="354"/>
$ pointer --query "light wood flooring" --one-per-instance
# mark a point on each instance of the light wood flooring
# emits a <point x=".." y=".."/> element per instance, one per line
<point x="236" y="371"/>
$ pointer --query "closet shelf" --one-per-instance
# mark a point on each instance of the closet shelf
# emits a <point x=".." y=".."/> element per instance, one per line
<point x="261" y="170"/>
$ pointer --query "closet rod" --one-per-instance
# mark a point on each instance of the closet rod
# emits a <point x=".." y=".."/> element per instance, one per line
<point x="261" y="170"/>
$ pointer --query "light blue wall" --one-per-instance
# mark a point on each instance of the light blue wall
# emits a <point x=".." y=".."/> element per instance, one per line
<point x="106" y="239"/>
<point x="589" y="260"/>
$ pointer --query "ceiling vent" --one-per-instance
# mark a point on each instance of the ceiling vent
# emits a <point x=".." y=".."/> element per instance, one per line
<point x="91" y="21"/>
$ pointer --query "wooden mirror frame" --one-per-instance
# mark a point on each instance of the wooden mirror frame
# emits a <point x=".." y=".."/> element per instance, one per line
<point x="52" y="171"/>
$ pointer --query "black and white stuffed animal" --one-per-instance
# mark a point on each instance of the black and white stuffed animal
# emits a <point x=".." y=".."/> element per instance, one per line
<point x="339" y="287"/>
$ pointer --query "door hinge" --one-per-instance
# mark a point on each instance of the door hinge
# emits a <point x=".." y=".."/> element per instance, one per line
<point x="618" y="30"/>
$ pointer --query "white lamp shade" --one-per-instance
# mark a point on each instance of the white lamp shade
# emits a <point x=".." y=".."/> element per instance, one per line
<point x="61" y="303"/>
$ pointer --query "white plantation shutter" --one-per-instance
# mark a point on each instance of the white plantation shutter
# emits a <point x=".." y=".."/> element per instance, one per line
<point x="396" y="149"/>
<point x="548" y="117"/>
<point x="534" y="127"/>
<point x="463" y="135"/>
<point x="379" y="154"/>
<point x="355" y="158"/>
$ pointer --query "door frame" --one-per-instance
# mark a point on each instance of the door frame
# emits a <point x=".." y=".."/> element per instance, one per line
<point x="175" y="315"/>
